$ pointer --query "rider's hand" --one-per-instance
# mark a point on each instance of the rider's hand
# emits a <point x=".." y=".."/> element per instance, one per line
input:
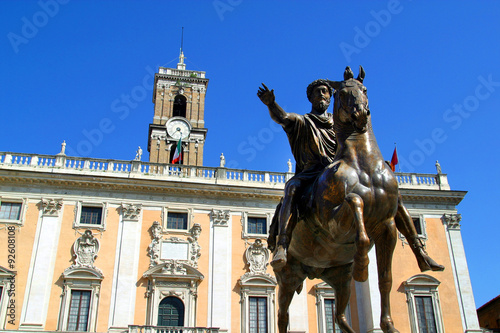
<point x="266" y="95"/>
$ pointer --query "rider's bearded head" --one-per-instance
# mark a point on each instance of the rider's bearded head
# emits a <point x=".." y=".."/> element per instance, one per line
<point x="319" y="101"/>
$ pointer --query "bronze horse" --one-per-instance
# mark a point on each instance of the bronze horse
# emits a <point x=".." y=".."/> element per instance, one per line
<point x="354" y="202"/>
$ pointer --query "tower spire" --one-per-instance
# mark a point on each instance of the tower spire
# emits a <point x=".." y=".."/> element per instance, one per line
<point x="181" y="64"/>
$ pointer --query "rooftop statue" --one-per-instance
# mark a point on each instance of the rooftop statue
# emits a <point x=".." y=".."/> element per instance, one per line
<point x="342" y="200"/>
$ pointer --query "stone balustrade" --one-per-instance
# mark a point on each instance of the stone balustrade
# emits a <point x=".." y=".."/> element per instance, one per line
<point x="182" y="72"/>
<point x="218" y="175"/>
<point x="167" y="329"/>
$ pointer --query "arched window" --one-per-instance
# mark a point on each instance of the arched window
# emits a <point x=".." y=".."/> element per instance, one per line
<point x="423" y="304"/>
<point x="171" y="312"/>
<point x="179" y="106"/>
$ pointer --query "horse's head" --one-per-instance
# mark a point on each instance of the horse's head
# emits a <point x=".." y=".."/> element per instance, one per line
<point x="351" y="102"/>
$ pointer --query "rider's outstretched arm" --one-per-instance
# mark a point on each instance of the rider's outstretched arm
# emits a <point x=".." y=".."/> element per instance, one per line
<point x="277" y="113"/>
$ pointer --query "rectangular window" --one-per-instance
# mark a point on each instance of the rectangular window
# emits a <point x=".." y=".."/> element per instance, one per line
<point x="79" y="310"/>
<point x="257" y="225"/>
<point x="331" y="326"/>
<point x="425" y="314"/>
<point x="177" y="221"/>
<point x="10" y="210"/>
<point x="91" y="215"/>
<point x="258" y="314"/>
<point x="418" y="225"/>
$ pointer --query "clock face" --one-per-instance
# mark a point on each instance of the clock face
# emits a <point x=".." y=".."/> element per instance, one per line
<point x="178" y="128"/>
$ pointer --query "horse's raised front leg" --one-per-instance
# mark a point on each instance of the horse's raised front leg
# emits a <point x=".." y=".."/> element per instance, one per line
<point x="340" y="279"/>
<point x="290" y="279"/>
<point x="361" y="261"/>
<point x="385" y="244"/>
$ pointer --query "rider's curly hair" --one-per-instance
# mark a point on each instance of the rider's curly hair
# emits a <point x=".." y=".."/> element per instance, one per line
<point x="314" y="84"/>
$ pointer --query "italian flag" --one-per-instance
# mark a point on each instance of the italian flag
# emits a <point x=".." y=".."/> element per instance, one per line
<point x="177" y="155"/>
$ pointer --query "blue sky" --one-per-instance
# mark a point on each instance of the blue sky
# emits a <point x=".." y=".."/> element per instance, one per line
<point x="432" y="73"/>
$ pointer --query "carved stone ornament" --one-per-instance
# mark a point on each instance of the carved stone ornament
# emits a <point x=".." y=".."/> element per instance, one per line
<point x="257" y="256"/>
<point x="220" y="217"/>
<point x="194" y="248"/>
<point x="154" y="247"/>
<point x="85" y="250"/>
<point x="131" y="212"/>
<point x="51" y="207"/>
<point x="174" y="267"/>
<point x="452" y="220"/>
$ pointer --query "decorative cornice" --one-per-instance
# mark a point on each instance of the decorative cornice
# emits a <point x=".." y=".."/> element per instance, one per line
<point x="143" y="186"/>
<point x="452" y="221"/>
<point x="211" y="189"/>
<point x="51" y="207"/>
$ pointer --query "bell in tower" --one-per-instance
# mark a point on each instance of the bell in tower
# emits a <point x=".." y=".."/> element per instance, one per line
<point x="178" y="131"/>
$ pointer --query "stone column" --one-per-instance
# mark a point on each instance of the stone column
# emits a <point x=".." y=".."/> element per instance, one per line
<point x="298" y="309"/>
<point x="368" y="298"/>
<point x="41" y="272"/>
<point x="219" y="289"/>
<point x="122" y="307"/>
<point x="470" y="323"/>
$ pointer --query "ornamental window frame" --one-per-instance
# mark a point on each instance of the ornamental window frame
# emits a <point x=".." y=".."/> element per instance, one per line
<point x="7" y="278"/>
<point x="22" y="212"/>
<point x="258" y="214"/>
<point x="258" y="286"/>
<point x="80" y="279"/>
<point x="423" y="225"/>
<point x="78" y="214"/>
<point x="324" y="292"/>
<point x="176" y="209"/>
<point x="172" y="278"/>
<point x="423" y="285"/>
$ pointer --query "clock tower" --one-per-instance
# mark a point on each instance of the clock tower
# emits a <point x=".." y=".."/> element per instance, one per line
<point x="179" y="104"/>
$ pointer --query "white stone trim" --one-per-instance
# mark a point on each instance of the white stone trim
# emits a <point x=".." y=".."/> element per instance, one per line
<point x="41" y="271"/>
<point x="125" y="274"/>
<point x="220" y="268"/>
<point x="460" y="269"/>
<point x="6" y="277"/>
<point x="368" y="298"/>
<point x="259" y="214"/>
<point x="423" y="285"/>
<point x="78" y="214"/>
<point x="24" y="207"/>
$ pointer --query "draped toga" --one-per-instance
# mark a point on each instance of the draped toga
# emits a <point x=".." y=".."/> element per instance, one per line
<point x="313" y="144"/>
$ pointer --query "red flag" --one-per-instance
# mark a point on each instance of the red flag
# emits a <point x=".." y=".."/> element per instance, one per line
<point x="394" y="159"/>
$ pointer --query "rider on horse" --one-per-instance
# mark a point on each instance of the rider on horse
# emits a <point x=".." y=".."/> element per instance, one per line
<point x="313" y="144"/>
<point x="312" y="139"/>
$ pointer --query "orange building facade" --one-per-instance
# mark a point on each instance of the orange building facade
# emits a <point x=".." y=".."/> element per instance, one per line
<point x="101" y="245"/>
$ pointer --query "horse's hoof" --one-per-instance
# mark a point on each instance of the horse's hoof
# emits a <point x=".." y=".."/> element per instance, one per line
<point x="388" y="327"/>
<point x="426" y="263"/>
<point x="279" y="259"/>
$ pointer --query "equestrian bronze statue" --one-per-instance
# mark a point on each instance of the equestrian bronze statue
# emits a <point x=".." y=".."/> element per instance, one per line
<point x="339" y="203"/>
